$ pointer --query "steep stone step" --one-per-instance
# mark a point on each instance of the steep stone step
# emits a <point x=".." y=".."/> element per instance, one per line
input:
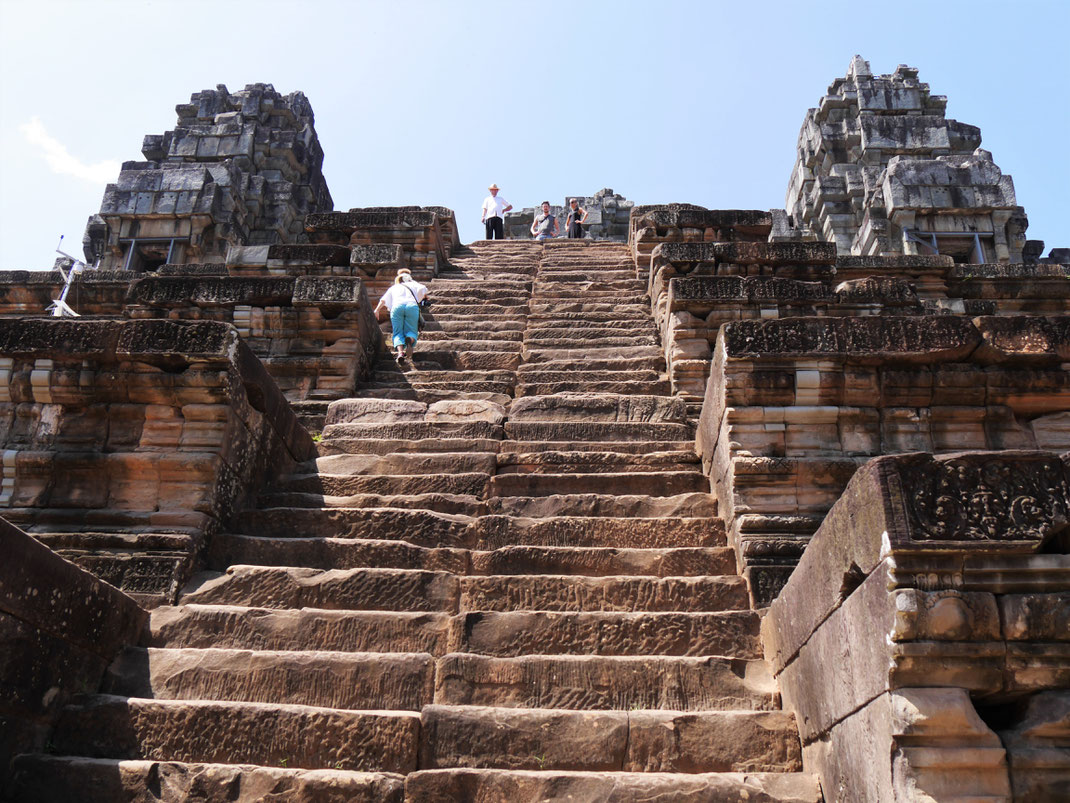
<point x="624" y="386"/>
<point x="462" y="335"/>
<point x="606" y="683"/>
<point x="348" y="680"/>
<point x="404" y="463"/>
<point x="238" y="733"/>
<point x="37" y="778"/>
<point x="604" y="561"/>
<point x="591" y="342"/>
<point x="591" y="362"/>
<point x="617" y="447"/>
<point x="448" y="786"/>
<point x="420" y="527"/>
<point x="665" y="531"/>
<point x="540" y="592"/>
<point x="594" y="431"/>
<point x="433" y="392"/>
<point x="588" y="462"/>
<point x="331" y="589"/>
<point x="228" y="549"/>
<point x="384" y="446"/>
<point x="652" y="483"/>
<point x="612" y="505"/>
<point x="510" y="634"/>
<point x="475" y="484"/>
<point x="605" y="741"/>
<point x="460" y="504"/>
<point x="243" y="628"/>
<point x="415" y="430"/>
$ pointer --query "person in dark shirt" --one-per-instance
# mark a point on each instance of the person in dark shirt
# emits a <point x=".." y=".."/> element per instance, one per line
<point x="544" y="227"/>
<point x="577" y="215"/>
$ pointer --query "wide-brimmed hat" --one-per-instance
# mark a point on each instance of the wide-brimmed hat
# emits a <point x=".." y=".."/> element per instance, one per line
<point x="493" y="187"/>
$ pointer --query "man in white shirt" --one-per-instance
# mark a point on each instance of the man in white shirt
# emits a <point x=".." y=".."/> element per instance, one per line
<point x="494" y="209"/>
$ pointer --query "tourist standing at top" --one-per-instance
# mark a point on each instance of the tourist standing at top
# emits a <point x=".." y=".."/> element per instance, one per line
<point x="577" y="216"/>
<point x="544" y="227"/>
<point x="403" y="301"/>
<point x="494" y="209"/>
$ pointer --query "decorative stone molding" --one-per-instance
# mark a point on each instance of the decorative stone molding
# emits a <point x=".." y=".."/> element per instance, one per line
<point x="924" y="600"/>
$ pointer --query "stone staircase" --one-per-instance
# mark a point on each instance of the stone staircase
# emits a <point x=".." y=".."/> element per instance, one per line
<point x="503" y="578"/>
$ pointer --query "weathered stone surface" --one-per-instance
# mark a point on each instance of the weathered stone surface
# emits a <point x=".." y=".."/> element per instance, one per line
<point x="239" y="733"/>
<point x="346" y="680"/>
<point x="591" y="682"/>
<point x="43" y="777"/>
<point x="883" y="603"/>
<point x="239" y="169"/>
<point x="441" y="786"/>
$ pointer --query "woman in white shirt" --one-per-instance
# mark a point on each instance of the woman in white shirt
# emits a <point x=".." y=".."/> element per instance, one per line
<point x="403" y="302"/>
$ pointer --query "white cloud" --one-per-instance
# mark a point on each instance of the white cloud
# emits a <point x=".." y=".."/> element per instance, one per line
<point x="60" y="159"/>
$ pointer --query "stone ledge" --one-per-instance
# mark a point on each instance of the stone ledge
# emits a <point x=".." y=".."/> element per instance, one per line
<point x="774" y="254"/>
<point x="348" y="222"/>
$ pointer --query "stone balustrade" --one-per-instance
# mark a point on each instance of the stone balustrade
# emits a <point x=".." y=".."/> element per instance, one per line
<point x="60" y="628"/>
<point x="125" y="443"/>
<point x="794" y="406"/>
<point x="923" y="642"/>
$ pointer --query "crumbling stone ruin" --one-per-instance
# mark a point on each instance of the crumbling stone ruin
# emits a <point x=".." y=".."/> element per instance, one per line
<point x="722" y="505"/>
<point x="238" y="169"/>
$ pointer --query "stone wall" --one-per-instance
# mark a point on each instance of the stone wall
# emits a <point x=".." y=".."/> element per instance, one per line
<point x="126" y="442"/>
<point x="794" y="406"/>
<point x="60" y="627"/>
<point x="241" y="168"/>
<point x="924" y="641"/>
<point x="695" y="287"/>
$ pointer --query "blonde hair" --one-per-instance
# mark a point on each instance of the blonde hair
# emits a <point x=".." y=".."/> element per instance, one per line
<point x="403" y="275"/>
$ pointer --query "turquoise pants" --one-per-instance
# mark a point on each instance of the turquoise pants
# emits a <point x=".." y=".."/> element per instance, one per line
<point x="405" y="320"/>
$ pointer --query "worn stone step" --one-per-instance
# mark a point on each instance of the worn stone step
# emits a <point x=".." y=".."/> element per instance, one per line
<point x="415" y="430"/>
<point x="384" y="446"/>
<point x="606" y="683"/>
<point x="404" y="463"/>
<point x="606" y="741"/>
<point x="563" y="314"/>
<point x="588" y="462"/>
<point x="604" y="561"/>
<point x="541" y="592"/>
<point x="615" y="361"/>
<point x="298" y="736"/>
<point x="465" y="483"/>
<point x="455" y="358"/>
<point x="432" y="335"/>
<point x="450" y="785"/>
<point x="624" y="386"/>
<point x="349" y="680"/>
<point x="436" y="392"/>
<point x="664" y="531"/>
<point x="592" y="342"/>
<point x="245" y="628"/>
<point x="651" y="483"/>
<point x="617" y="447"/>
<point x="533" y="374"/>
<point x="421" y="527"/>
<point x="515" y="633"/>
<point x="594" y="430"/>
<point x="461" y="504"/>
<point x="612" y="505"/>
<point x="39" y="778"/>
<point x="228" y="549"/>
<point x="331" y="589"/>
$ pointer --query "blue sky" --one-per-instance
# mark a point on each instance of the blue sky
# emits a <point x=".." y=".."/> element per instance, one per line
<point x="421" y="102"/>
